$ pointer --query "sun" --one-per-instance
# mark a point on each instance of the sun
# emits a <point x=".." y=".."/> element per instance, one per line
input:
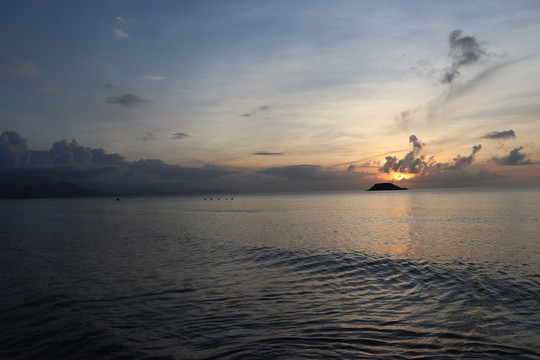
<point x="397" y="176"/>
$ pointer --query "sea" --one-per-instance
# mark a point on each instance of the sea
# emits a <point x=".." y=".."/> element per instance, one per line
<point x="418" y="274"/>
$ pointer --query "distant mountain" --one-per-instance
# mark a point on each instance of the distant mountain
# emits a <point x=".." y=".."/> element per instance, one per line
<point x="40" y="191"/>
<point x="385" y="186"/>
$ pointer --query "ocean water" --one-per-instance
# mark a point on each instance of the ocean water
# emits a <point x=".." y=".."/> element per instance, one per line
<point x="432" y="274"/>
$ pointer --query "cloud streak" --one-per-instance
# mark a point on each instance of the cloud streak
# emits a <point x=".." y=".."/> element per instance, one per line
<point x="180" y="135"/>
<point x="497" y="135"/>
<point x="266" y="153"/>
<point x="126" y="100"/>
<point x="153" y="77"/>
<point x="16" y="68"/>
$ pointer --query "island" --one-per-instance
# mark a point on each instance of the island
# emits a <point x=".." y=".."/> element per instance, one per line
<point x="385" y="186"/>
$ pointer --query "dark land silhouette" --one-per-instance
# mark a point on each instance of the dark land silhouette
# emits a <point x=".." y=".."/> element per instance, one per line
<point x="385" y="186"/>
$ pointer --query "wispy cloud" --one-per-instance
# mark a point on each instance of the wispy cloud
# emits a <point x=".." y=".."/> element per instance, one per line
<point x="121" y="28"/>
<point x="266" y="153"/>
<point x="119" y="33"/>
<point x="126" y="100"/>
<point x="153" y="77"/>
<point x="15" y="67"/>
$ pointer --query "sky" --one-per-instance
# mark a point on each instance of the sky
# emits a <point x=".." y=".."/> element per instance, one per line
<point x="270" y="95"/>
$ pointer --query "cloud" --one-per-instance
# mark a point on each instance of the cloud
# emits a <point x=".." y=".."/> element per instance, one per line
<point x="124" y="21"/>
<point x="411" y="163"/>
<point x="126" y="100"/>
<point x="14" y="67"/>
<point x="429" y="173"/>
<point x="108" y="86"/>
<point x="94" y="168"/>
<point x="508" y="134"/>
<point x="121" y="28"/>
<point x="461" y="162"/>
<point x="416" y="163"/>
<point x="119" y="33"/>
<point x="153" y="77"/>
<point x="266" y="153"/>
<point x="514" y="157"/>
<point x="261" y="109"/>
<point x="13" y="150"/>
<point x="405" y="117"/>
<point x="180" y="135"/>
<point x="64" y="153"/>
<point x="464" y="50"/>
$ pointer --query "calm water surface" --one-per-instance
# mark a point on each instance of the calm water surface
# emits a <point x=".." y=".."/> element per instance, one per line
<point x="438" y="274"/>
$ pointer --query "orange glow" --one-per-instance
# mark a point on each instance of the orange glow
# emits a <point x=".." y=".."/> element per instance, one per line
<point x="397" y="176"/>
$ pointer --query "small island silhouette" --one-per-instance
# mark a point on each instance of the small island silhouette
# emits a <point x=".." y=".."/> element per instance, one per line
<point x="385" y="186"/>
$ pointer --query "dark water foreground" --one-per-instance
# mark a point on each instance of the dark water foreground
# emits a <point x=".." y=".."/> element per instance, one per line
<point x="106" y="287"/>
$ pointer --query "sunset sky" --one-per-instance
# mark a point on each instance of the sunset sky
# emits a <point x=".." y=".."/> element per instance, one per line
<point x="270" y="95"/>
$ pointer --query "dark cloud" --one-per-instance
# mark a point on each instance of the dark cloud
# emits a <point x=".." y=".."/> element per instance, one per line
<point x="434" y="178"/>
<point x="180" y="135"/>
<point x="31" y="175"/>
<point x="265" y="153"/>
<point x="149" y="136"/>
<point x="416" y="163"/>
<point x="13" y="150"/>
<point x="411" y="163"/>
<point x="514" y="157"/>
<point x="96" y="169"/>
<point x="508" y="134"/>
<point x="126" y="100"/>
<point x="464" y="50"/>
<point x="262" y="108"/>
<point x="417" y="145"/>
<point x="64" y="153"/>
<point x="460" y="162"/>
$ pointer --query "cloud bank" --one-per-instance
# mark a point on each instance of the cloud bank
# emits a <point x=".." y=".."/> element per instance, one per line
<point x="94" y="168"/>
